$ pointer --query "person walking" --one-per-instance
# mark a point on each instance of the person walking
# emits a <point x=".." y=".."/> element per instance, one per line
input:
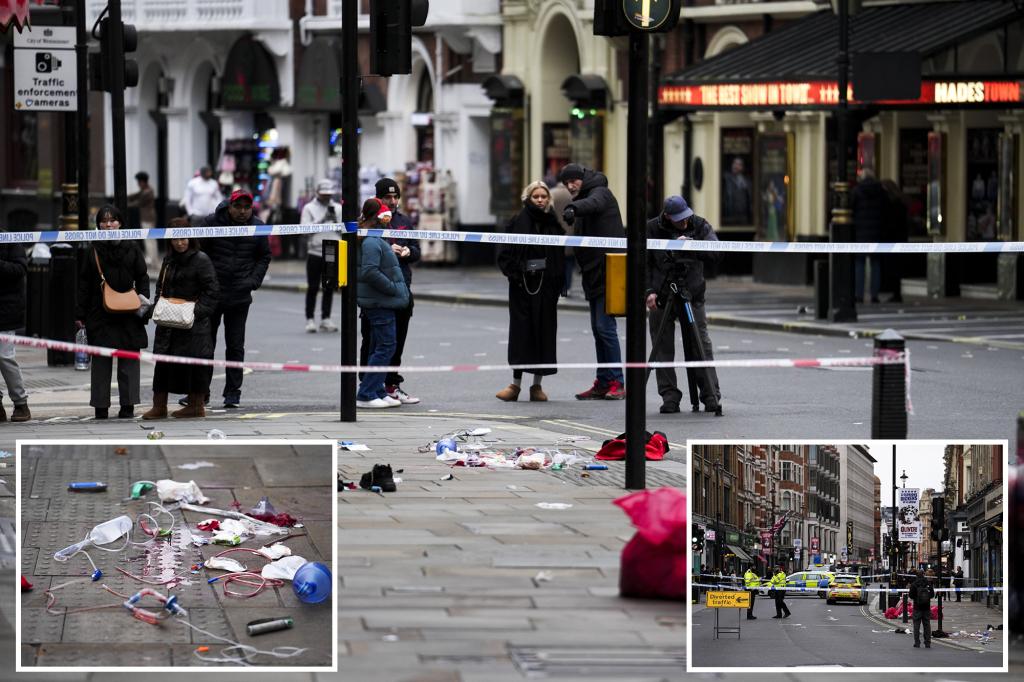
<point x="958" y="580"/>
<point x="869" y="202"/>
<point x="323" y="210"/>
<point x="187" y="274"/>
<point x="13" y="270"/>
<point x="751" y="582"/>
<point x="407" y="251"/>
<point x="241" y="264"/>
<point x="921" y="593"/>
<point x="381" y="291"/>
<point x="202" y="196"/>
<point x="119" y="265"/>
<point x="598" y="212"/>
<point x="778" y="583"/>
<point x="684" y="269"/>
<point x="535" y="280"/>
<point x="144" y="201"/>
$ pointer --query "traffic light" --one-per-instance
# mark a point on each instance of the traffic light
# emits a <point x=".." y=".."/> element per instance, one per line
<point x="938" y="530"/>
<point x="697" y="543"/>
<point x="609" y="19"/>
<point x="114" y="45"/>
<point x="391" y="24"/>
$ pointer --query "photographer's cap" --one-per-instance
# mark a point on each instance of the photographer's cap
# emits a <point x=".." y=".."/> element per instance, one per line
<point x="677" y="209"/>
<point x="326" y="187"/>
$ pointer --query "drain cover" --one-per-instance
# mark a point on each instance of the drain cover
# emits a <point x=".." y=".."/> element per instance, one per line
<point x="591" y="661"/>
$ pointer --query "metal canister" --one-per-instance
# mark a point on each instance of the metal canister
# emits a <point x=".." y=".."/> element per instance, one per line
<point x="265" y="625"/>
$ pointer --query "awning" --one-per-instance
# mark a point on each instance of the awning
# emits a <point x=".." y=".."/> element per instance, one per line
<point x="743" y="556"/>
<point x="586" y="90"/>
<point x="505" y="89"/>
<point x="250" y="77"/>
<point x="795" y="66"/>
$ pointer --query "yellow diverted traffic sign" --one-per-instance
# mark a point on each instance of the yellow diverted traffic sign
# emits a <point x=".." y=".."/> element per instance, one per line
<point x="728" y="600"/>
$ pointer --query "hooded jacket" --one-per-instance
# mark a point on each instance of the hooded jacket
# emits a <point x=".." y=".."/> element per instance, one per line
<point x="241" y="262"/>
<point x="686" y="264"/>
<point x="597" y="215"/>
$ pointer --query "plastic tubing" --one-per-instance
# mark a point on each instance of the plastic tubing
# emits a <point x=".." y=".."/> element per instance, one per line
<point x="245" y="577"/>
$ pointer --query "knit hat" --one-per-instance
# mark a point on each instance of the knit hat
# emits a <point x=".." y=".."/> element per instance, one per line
<point x="384" y="214"/>
<point x="386" y="186"/>
<point x="240" y="194"/>
<point x="571" y="171"/>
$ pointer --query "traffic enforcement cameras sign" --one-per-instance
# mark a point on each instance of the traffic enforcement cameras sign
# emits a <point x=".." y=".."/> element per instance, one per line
<point x="45" y="69"/>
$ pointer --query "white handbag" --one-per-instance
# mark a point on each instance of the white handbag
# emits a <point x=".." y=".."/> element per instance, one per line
<point x="175" y="313"/>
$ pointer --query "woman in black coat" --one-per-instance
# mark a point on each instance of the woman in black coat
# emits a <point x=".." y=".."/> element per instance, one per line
<point x="188" y="274"/>
<point x="535" y="275"/>
<point x="124" y="268"/>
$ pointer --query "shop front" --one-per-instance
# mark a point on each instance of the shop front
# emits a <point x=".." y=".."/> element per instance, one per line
<point x="763" y="152"/>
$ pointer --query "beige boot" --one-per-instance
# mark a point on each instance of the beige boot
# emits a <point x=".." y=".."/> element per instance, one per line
<point x="159" y="409"/>
<point x="194" y="408"/>
<point x="537" y="394"/>
<point x="509" y="394"/>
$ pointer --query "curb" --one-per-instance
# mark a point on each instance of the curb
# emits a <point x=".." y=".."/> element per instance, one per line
<point x="868" y="613"/>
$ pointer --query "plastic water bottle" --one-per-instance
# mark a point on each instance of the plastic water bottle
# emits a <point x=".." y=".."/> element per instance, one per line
<point x="81" y="357"/>
<point x="312" y="582"/>
<point x="446" y="445"/>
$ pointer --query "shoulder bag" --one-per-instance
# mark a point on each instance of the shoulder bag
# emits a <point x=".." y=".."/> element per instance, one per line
<point x="116" y="301"/>
<point x="175" y="313"/>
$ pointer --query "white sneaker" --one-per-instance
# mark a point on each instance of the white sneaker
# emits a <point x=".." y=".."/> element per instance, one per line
<point x="328" y="326"/>
<point x="375" y="404"/>
<point x="392" y="402"/>
<point x="311" y="326"/>
<point x="398" y="394"/>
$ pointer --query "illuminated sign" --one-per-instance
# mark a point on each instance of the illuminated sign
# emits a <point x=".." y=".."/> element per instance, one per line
<point x="826" y="94"/>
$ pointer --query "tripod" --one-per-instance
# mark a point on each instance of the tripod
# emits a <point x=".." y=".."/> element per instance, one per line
<point x="693" y="348"/>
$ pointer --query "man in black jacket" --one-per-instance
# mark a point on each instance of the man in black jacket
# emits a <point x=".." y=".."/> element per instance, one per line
<point x="241" y="264"/>
<point x="13" y="269"/>
<point x="921" y="593"/>
<point x="686" y="270"/>
<point x="597" y="211"/>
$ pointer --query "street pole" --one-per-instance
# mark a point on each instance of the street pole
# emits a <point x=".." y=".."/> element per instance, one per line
<point x="82" y="115"/>
<point x="718" y="516"/>
<point x="893" y="531"/>
<point x="349" y="197"/>
<point x="116" y="29"/>
<point x="636" y="262"/>
<point x="841" y="308"/>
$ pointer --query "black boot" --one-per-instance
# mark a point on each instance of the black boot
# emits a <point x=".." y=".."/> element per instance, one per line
<point x="381" y="476"/>
<point x="102" y="412"/>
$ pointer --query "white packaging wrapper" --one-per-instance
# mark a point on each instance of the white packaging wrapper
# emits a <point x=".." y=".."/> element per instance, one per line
<point x="284" y="568"/>
<point x="234" y="526"/>
<point x="275" y="551"/>
<point x="173" y="491"/>
<point x="534" y="460"/>
<point x="224" y="563"/>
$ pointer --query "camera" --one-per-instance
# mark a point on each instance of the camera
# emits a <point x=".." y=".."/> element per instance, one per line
<point x="46" y="62"/>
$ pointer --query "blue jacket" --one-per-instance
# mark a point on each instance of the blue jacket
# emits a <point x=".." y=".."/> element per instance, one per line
<point x="381" y="283"/>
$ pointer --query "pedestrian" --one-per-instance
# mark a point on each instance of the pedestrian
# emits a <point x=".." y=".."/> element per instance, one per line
<point x="921" y="593"/>
<point x="778" y="583"/>
<point x="751" y="582"/>
<point x="202" y="196"/>
<point x="869" y="202"/>
<point x="407" y="251"/>
<point x="145" y="202"/>
<point x="241" y="264"/>
<point x="381" y="291"/>
<point x="13" y="270"/>
<point x="897" y="229"/>
<point x="322" y="210"/>
<point x="187" y="274"/>
<point x="535" y="280"/>
<point x="685" y="270"/>
<point x="958" y="580"/>
<point x="119" y="265"/>
<point x="598" y="212"/>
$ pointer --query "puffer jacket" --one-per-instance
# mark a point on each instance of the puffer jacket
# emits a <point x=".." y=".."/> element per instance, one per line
<point x="13" y="269"/>
<point x="241" y="262"/>
<point x="124" y="267"/>
<point x="597" y="215"/>
<point x="381" y="283"/>
<point x="189" y="276"/>
<point x="686" y="265"/>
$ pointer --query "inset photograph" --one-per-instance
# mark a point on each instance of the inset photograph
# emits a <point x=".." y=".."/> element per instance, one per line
<point x="875" y="555"/>
<point x="147" y="556"/>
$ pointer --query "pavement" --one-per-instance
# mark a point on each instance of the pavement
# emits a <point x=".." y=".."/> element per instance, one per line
<point x="85" y="626"/>
<point x="740" y="302"/>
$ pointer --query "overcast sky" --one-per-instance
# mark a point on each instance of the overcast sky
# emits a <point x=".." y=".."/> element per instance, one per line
<point x="922" y="460"/>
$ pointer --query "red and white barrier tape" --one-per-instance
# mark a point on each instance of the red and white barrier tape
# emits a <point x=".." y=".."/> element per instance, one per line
<point x="882" y="357"/>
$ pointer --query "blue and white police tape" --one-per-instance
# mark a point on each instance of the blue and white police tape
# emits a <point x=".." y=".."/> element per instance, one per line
<point x="498" y="238"/>
<point x="809" y="590"/>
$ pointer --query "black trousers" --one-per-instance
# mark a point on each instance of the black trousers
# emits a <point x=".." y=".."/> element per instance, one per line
<point x="402" y="318"/>
<point x="750" y="609"/>
<point x="923" y="616"/>
<point x="314" y="283"/>
<point x="780" y="603"/>
<point x="234" y="344"/>
<point x="707" y="380"/>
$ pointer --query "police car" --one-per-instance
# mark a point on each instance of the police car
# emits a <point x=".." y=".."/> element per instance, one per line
<point x="846" y="587"/>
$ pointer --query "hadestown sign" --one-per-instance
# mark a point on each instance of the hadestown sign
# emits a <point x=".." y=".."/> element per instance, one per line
<point x="909" y="520"/>
<point x="45" y="69"/>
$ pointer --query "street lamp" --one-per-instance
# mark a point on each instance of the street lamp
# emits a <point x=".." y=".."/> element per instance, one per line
<point x="904" y="478"/>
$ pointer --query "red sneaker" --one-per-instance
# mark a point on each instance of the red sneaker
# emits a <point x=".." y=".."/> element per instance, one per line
<point x="595" y="392"/>
<point x="616" y="391"/>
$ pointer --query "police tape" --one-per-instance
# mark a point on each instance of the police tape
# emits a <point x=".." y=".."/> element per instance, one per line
<point x="500" y="238"/>
<point x="809" y="590"/>
<point x="885" y="357"/>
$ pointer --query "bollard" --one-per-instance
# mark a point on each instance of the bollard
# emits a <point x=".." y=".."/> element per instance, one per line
<point x="821" y="284"/>
<point x="889" y="390"/>
<point x="60" y="318"/>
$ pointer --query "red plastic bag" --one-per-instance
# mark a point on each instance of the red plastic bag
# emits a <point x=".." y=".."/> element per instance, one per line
<point x="615" y="448"/>
<point x="653" y="564"/>
<point x="897" y="611"/>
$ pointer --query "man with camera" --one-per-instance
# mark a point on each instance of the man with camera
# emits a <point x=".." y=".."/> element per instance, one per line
<point x="684" y="270"/>
<point x="324" y="209"/>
